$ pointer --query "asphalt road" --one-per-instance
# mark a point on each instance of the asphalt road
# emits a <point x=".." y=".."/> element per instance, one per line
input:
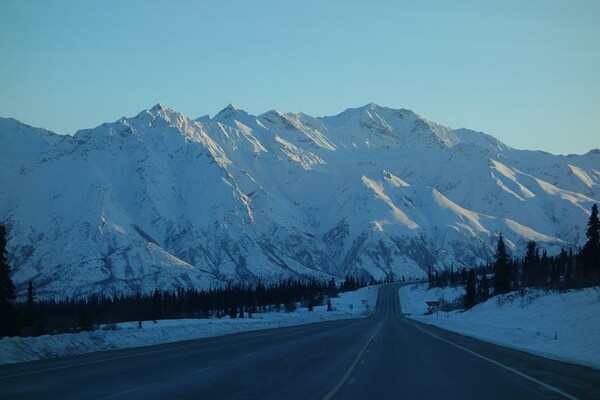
<point x="384" y="356"/>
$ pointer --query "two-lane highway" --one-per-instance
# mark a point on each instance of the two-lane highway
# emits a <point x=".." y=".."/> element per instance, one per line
<point x="415" y="361"/>
<point x="384" y="356"/>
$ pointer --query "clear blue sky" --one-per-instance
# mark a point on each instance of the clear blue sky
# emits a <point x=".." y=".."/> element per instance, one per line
<point x="527" y="72"/>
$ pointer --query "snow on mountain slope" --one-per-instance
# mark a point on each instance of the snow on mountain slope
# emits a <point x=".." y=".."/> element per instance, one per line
<point x="578" y="173"/>
<point x="22" y="142"/>
<point x="161" y="201"/>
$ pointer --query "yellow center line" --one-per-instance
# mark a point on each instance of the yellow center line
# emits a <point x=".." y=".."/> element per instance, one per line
<point x="342" y="381"/>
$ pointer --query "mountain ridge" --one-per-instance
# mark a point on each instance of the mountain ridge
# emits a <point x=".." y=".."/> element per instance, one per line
<point x="238" y="198"/>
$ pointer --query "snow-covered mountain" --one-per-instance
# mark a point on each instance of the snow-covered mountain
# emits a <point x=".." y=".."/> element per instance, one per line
<point x="163" y="201"/>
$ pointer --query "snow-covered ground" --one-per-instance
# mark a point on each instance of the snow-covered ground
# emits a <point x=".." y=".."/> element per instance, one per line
<point x="528" y="323"/>
<point x="354" y="304"/>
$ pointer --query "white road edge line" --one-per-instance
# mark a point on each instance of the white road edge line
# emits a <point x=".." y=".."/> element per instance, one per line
<point x="199" y="371"/>
<point x="342" y="381"/>
<point x="251" y="335"/>
<point x="90" y="362"/>
<point x="137" y="354"/>
<point x="112" y="396"/>
<point x="506" y="367"/>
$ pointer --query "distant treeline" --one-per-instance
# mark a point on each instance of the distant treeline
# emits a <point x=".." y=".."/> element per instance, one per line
<point x="567" y="270"/>
<point x="33" y="318"/>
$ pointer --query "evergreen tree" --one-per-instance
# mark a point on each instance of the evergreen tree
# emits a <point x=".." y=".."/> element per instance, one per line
<point x="332" y="288"/>
<point x="543" y="271"/>
<point x="555" y="276"/>
<point x="570" y="267"/>
<point x="513" y="274"/>
<point x="30" y="313"/>
<point x="562" y="263"/>
<point x="485" y="288"/>
<point x="469" y="299"/>
<point x="86" y="322"/>
<point x="156" y="305"/>
<point x="311" y="304"/>
<point x="8" y="292"/>
<point x="430" y="278"/>
<point x="591" y="250"/>
<point x="463" y="276"/>
<point x="501" y="268"/>
<point x="530" y="264"/>
<point x="452" y="277"/>
<point x="30" y="295"/>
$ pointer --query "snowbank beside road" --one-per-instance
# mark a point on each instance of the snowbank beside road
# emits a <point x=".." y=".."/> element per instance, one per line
<point x="529" y="323"/>
<point x="354" y="304"/>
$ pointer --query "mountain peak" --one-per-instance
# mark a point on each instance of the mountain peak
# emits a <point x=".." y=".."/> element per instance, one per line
<point x="228" y="111"/>
<point x="351" y="113"/>
<point x="360" y="110"/>
<point x="230" y="108"/>
<point x="158" y="107"/>
<point x="370" y="106"/>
